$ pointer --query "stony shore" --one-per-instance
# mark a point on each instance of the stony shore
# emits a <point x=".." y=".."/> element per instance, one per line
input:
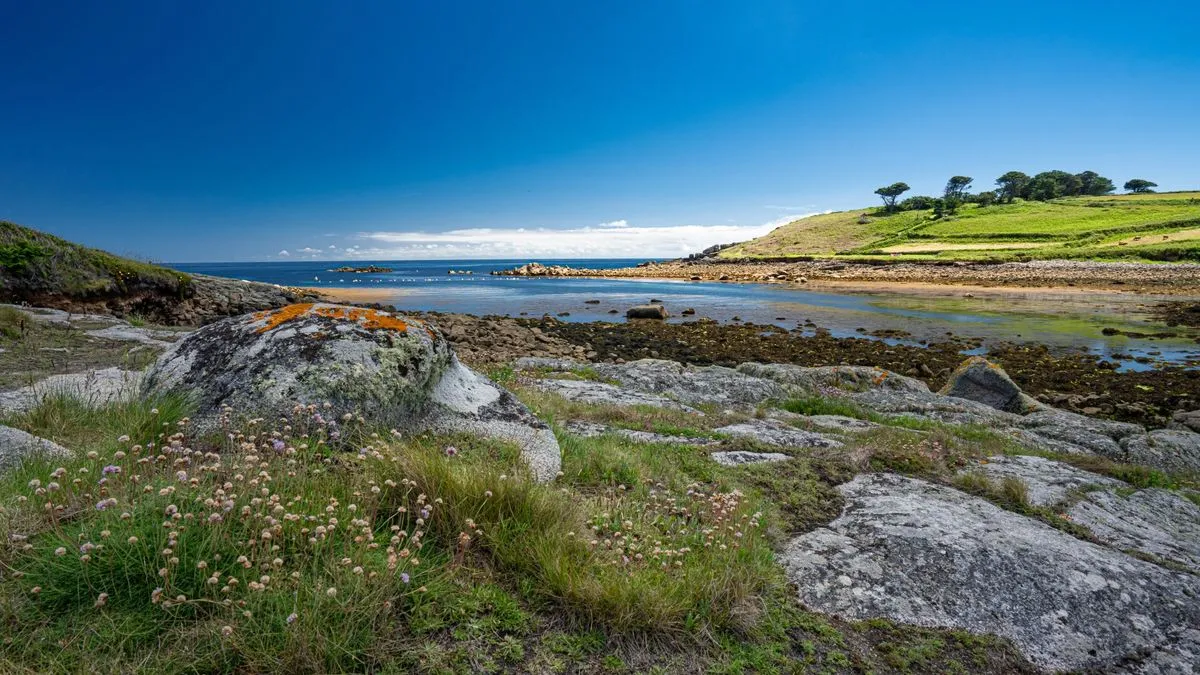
<point x="1172" y="279"/>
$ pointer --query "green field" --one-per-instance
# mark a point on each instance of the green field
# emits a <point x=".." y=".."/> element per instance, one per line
<point x="1159" y="227"/>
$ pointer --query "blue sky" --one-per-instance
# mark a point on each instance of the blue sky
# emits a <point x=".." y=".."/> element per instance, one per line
<point x="235" y="131"/>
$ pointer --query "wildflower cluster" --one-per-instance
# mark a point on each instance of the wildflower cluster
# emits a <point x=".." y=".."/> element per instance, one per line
<point x="227" y="528"/>
<point x="663" y="529"/>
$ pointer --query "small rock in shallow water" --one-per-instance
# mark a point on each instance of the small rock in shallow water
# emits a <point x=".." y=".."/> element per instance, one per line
<point x="646" y="312"/>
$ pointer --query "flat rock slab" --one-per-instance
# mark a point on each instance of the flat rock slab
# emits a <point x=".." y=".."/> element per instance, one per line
<point x="146" y="336"/>
<point x="16" y="445"/>
<point x="920" y="553"/>
<point x="839" y="423"/>
<point x="95" y="388"/>
<point x="592" y="429"/>
<point x="827" y="379"/>
<point x="600" y="393"/>
<point x="778" y="434"/>
<point x="62" y="318"/>
<point x="1170" y="449"/>
<point x="1049" y="482"/>
<point x="714" y="385"/>
<point x="740" y="457"/>
<point x="931" y="406"/>
<point x="1153" y="521"/>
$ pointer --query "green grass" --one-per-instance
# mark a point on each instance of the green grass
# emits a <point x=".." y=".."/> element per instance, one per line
<point x="639" y="558"/>
<point x="1074" y="227"/>
<point x="34" y="264"/>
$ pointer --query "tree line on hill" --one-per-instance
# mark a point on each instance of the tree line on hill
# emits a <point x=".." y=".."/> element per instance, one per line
<point x="1012" y="185"/>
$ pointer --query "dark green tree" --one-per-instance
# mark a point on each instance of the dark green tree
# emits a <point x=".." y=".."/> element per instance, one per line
<point x="1092" y="183"/>
<point x="957" y="187"/>
<point x="890" y="193"/>
<point x="985" y="198"/>
<point x="1140" y="185"/>
<point x="1054" y="184"/>
<point x="916" y="203"/>
<point x="1012" y="185"/>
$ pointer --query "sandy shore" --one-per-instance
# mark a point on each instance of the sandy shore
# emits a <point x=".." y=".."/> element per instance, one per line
<point x="364" y="296"/>
<point x="1182" y="279"/>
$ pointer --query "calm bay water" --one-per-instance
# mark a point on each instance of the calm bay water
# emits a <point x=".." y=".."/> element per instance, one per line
<point x="1060" y="320"/>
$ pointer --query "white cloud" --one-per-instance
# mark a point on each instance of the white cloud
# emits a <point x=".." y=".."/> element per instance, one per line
<point x="308" y="250"/>
<point x="283" y="253"/>
<point x="614" y="239"/>
<point x="777" y="207"/>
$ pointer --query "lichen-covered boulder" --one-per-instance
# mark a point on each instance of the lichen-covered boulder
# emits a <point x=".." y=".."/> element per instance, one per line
<point x="980" y="380"/>
<point x="396" y="371"/>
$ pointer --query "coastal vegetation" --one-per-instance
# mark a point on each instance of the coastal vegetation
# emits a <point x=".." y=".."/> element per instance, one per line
<point x="998" y="227"/>
<point x="299" y="545"/>
<point x="34" y="263"/>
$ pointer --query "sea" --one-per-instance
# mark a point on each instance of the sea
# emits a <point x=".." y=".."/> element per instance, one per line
<point x="902" y="315"/>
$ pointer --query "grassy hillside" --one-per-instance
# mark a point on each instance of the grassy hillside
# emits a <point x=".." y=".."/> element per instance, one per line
<point x="34" y="264"/>
<point x="1148" y="227"/>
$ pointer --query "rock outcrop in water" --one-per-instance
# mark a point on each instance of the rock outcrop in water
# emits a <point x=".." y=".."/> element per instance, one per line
<point x="394" y="370"/>
<point x="536" y="269"/>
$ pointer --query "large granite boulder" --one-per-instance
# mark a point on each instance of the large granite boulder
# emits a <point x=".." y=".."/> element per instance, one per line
<point x="980" y="380"/>
<point x="395" y="370"/>
<point x="925" y="554"/>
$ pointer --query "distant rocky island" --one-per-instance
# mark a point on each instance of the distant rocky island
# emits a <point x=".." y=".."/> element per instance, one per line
<point x="369" y="269"/>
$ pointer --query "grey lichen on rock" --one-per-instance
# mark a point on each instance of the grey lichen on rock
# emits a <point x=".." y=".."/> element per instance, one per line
<point x="926" y="554"/>
<point x="778" y="434"/>
<point x="740" y="457"/>
<point x="391" y="369"/>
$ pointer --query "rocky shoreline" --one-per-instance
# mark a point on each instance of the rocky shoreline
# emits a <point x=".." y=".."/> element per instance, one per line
<point x="966" y="506"/>
<point x="206" y="299"/>
<point x="1172" y="279"/>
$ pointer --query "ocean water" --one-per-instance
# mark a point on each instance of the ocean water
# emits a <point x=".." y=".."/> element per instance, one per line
<point x="1059" y="319"/>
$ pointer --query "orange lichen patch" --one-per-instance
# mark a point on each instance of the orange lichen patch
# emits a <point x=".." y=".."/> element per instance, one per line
<point x="278" y="317"/>
<point x="880" y="377"/>
<point x="367" y="318"/>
